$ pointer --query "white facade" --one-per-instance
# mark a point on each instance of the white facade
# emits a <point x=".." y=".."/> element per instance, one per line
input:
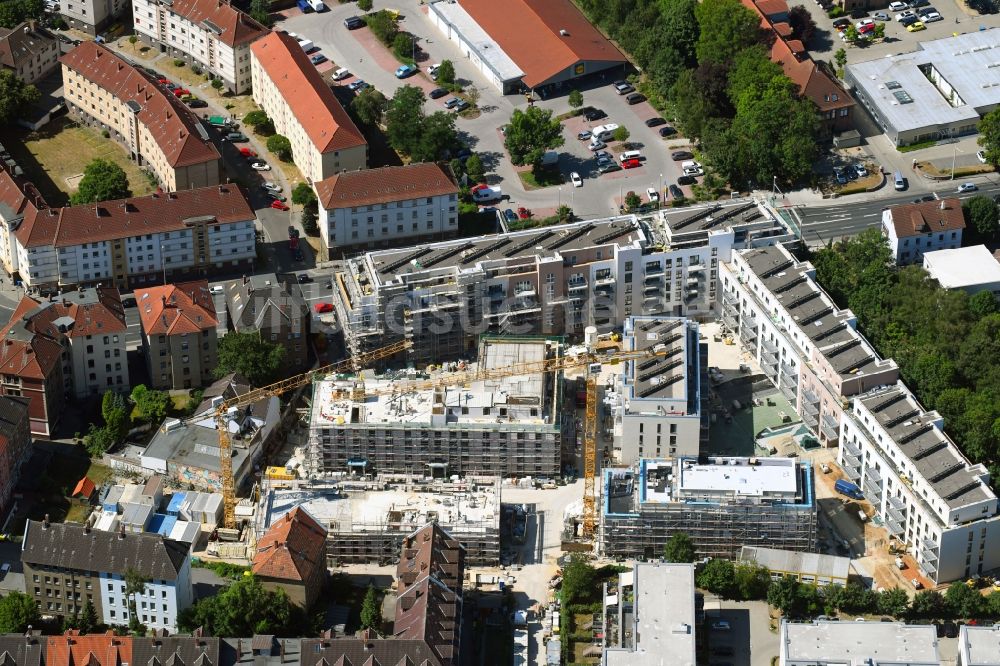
<point x="100" y="364"/>
<point x="392" y="222"/>
<point x="157" y="608"/>
<point x="475" y="44"/>
<point x="91" y="16"/>
<point x="928" y="495"/>
<point x="972" y="269"/>
<point x="910" y="245"/>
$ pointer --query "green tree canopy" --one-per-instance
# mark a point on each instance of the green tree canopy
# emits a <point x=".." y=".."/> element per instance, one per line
<point x="256" y="359"/>
<point x="280" y="146"/>
<point x="964" y="601"/>
<point x="260" y="11"/>
<point x="17" y="611"/>
<point x="751" y="70"/>
<point x="437" y="134"/>
<point x="303" y="194"/>
<point x="383" y="25"/>
<point x="151" y="405"/>
<point x="575" y="99"/>
<point x="369" y="106"/>
<point x="894" y="602"/>
<point x="981" y="218"/>
<point x="244" y="608"/>
<point x="579" y="580"/>
<point x="726" y="27"/>
<point x="15" y="12"/>
<point x="15" y="95"/>
<point x="474" y="168"/>
<point x="371" y="610"/>
<point x="989" y="136"/>
<point x="680" y="548"/>
<point x="530" y="133"/>
<point x="718" y="576"/>
<point x="928" y="604"/>
<point x="404" y="119"/>
<point x="256" y="119"/>
<point x="102" y="180"/>
<point x="446" y="72"/>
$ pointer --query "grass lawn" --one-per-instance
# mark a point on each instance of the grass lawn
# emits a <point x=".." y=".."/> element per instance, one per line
<point x="546" y="179"/>
<point x="61" y="150"/>
<point x="77" y="513"/>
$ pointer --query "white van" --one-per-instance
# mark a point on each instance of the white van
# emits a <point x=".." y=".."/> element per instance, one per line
<point x="900" y="181"/>
<point x="306" y="45"/>
<point x="341" y="74"/>
<point x="604" y="132"/>
<point x="630" y="155"/>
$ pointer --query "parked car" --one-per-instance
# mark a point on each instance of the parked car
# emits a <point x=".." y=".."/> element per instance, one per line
<point x="930" y="15"/>
<point x="197" y="104"/>
<point x="317" y="59"/>
<point x="918" y="3"/>
<point x="510" y="215"/>
<point x="679" y="155"/>
<point x="631" y="164"/>
<point x="461" y="106"/>
<point x="268" y="186"/>
<point x="248" y="152"/>
<point x="667" y="131"/>
<point x="908" y="20"/>
<point x="635" y="98"/>
<point x="860" y="171"/>
<point x="404" y="71"/>
<point x="652" y="195"/>
<point x="840" y="176"/>
<point x="623" y="87"/>
<point x="882" y="16"/>
<point x="279" y="205"/>
<point x="859" y="13"/>
<point x="967" y="187"/>
<point x="897" y="6"/>
<point x="576" y="180"/>
<point x="842" y="23"/>
<point x="260" y="165"/>
<point x="594" y="114"/>
<point x="981" y="156"/>
<point x="916" y="26"/>
<point x="655" y="122"/>
<point x="905" y="14"/>
<point x="584" y="135"/>
<point x="277" y="197"/>
<point x="686" y="180"/>
<point x="676" y="192"/>
<point x="341" y="74"/>
<point x="356" y="85"/>
<point x="437" y="93"/>
<point x="452" y="103"/>
<point x="353" y="22"/>
<point x="235" y="137"/>
<point x="597" y="145"/>
<point x="608" y="167"/>
<point x="320" y="308"/>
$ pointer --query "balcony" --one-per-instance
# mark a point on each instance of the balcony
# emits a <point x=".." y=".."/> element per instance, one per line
<point x="769" y="346"/>
<point x="895" y="527"/>
<point x="524" y="292"/>
<point x="830" y="427"/>
<point x="788" y="392"/>
<point x="695" y="267"/>
<point x="653" y="270"/>
<point x="748" y="333"/>
<point x="607" y="279"/>
<point x="929" y="550"/>
<point x="789" y="371"/>
<point x="573" y="285"/>
<point x="650" y="279"/>
<point x="652" y="288"/>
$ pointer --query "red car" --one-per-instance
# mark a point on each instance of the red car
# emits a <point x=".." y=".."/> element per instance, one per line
<point x="246" y="152"/>
<point x="164" y="80"/>
<point x="631" y="164"/>
<point x="180" y="92"/>
<point x="323" y="307"/>
<point x="476" y="188"/>
<point x="279" y="205"/>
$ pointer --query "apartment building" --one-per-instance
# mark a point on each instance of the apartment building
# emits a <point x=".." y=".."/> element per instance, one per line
<point x="508" y="426"/>
<point x="722" y="504"/>
<point x="293" y="94"/>
<point x="211" y="34"/>
<point x="914" y="229"/>
<point x="132" y="242"/>
<point x="160" y="133"/>
<point x="15" y="446"/>
<point x="929" y="497"/>
<point x="263" y="305"/>
<point x="387" y="207"/>
<point x="657" y="404"/>
<point x="650" y="616"/>
<point x="291" y="556"/>
<point x="978" y="645"/>
<point x="30" y="52"/>
<point x="34" y="366"/>
<point x="92" y="16"/>
<point x="807" y="347"/>
<point x="67" y="565"/>
<point x="552" y="281"/>
<point x="20" y="200"/>
<point x="178" y="334"/>
<point x="827" y="643"/>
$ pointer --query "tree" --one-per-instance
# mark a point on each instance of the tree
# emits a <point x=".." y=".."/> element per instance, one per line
<point x="135" y="584"/>
<point x="802" y="24"/>
<point x="983" y="303"/>
<point x="474" y="169"/>
<point x="840" y="59"/>
<point x="371" y="610"/>
<point x="726" y="27"/>
<point x="472" y="95"/>
<point x="116" y="415"/>
<point x="679" y="549"/>
<point x="15" y="12"/>
<point x="259" y="121"/>
<point x="88" y="619"/>
<point x="404" y="119"/>
<point x="248" y="354"/>
<point x="894" y="602"/>
<point x="365" y="5"/>
<point x="437" y="135"/>
<point x="151" y="405"/>
<point x="784" y="594"/>
<point x="530" y="133"/>
<point x="446" y="72"/>
<point x="280" y="146"/>
<point x="217" y="84"/>
<point x="752" y="581"/>
<point x="981" y="217"/>
<point x="132" y="39"/>
<point x="310" y="215"/>
<point x="989" y="135"/>
<point x="578" y="579"/>
<point x="17" y="611"/>
<point x="403" y="45"/>
<point x="383" y="26"/>
<point x="964" y="601"/>
<point x="260" y="11"/>
<point x="245" y="608"/>
<point x="575" y="99"/>
<point x="879" y="31"/>
<point x="632" y="201"/>
<point x="928" y="604"/>
<point x="303" y="194"/>
<point x="752" y="69"/>
<point x="718" y="577"/>
<point x="851" y="34"/>
<point x="98" y="440"/>
<point x="15" y="97"/>
<point x="621" y="134"/>
<point x="369" y="106"/>
<point x="102" y="180"/>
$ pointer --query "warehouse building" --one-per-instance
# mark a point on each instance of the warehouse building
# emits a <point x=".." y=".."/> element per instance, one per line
<point x="367" y="520"/>
<point x="972" y="269"/>
<point x="809" y="568"/>
<point x="508" y="426"/>
<point x="723" y="505"/>
<point x="553" y="45"/>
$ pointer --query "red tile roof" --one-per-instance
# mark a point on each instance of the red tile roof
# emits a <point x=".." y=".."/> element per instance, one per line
<point x="917" y="219"/>
<point x="292" y="549"/>
<point x="176" y="130"/>
<point x="124" y="218"/>
<point x="536" y="45"/>
<point x="309" y="97"/>
<point x="84" y="488"/>
<point x="384" y="185"/>
<point x="772" y="7"/>
<point x="72" y="649"/>
<point x="174" y="309"/>
<point x="24" y="353"/>
<point x="236" y="27"/>
<point x="813" y="82"/>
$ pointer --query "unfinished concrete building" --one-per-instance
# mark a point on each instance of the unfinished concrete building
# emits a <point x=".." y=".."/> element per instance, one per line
<point x="367" y="520"/>
<point x="723" y="505"/>
<point x="552" y="281"/>
<point x="509" y="426"/>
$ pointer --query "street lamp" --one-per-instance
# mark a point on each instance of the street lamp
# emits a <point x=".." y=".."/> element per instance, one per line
<point x="954" y="155"/>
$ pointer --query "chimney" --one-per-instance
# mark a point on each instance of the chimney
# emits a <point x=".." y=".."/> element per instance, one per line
<point x="121" y="531"/>
<point x="45" y="522"/>
<point x="163" y="299"/>
<point x="944" y="206"/>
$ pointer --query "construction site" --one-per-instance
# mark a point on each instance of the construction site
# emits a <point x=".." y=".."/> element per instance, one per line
<point x="367" y="520"/>
<point x="507" y="426"/>
<point x="723" y="505"/>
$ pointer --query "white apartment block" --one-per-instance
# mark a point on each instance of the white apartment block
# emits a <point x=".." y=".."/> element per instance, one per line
<point x="807" y="347"/>
<point x="386" y="207"/>
<point x="979" y="646"/>
<point x="657" y="403"/>
<point x="92" y="16"/>
<point x="215" y="35"/>
<point x="137" y="241"/>
<point x="157" y="607"/>
<point x="912" y="230"/>
<point x="928" y="495"/>
<point x="303" y="108"/>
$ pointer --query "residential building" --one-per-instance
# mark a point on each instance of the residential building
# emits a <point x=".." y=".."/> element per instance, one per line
<point x="929" y="497"/>
<point x="914" y="229"/>
<point x="389" y="206"/>
<point x="978" y="645"/>
<point x="722" y="504"/>
<point x="66" y="565"/>
<point x="554" y="45"/>
<point x="93" y="16"/>
<point x="20" y="200"/>
<point x="507" y="426"/>
<point x="15" y="446"/>
<point x="972" y="269"/>
<point x="213" y="35"/>
<point x="367" y="519"/>
<point x="293" y="94"/>
<point x="30" y="52"/>
<point x="936" y="91"/>
<point x="71" y="648"/>
<point x="650" y="616"/>
<point x="291" y="556"/>
<point x="133" y="242"/>
<point x="34" y="366"/>
<point x="657" y="404"/>
<point x="261" y="304"/>
<point x="806" y="346"/>
<point x="27" y="649"/>
<point x="552" y="281"/>
<point x="178" y="334"/>
<point x="158" y="130"/>
<point x="826" y="643"/>
<point x="810" y="568"/>
<point x="187" y="452"/>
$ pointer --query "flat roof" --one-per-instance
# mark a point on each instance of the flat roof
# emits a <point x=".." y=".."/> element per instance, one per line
<point x="963" y="267"/>
<point x="859" y="643"/>
<point x="485" y="46"/>
<point x="810" y="564"/>
<point x="737" y="476"/>
<point x="979" y="645"/>
<point x="705" y="218"/>
<point x="663" y="377"/>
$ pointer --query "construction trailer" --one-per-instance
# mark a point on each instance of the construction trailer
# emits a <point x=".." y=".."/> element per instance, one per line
<point x="723" y="505"/>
